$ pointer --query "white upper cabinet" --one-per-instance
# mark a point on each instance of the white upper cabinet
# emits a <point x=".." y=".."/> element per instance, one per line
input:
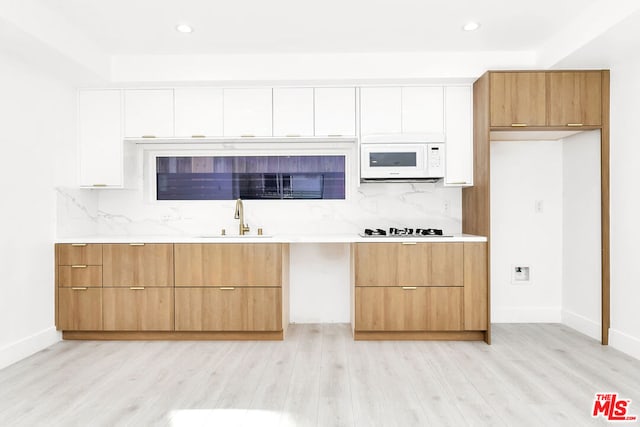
<point x="380" y="110"/>
<point x="100" y="138"/>
<point x="459" y="134"/>
<point x="248" y="112"/>
<point x="292" y="112"/>
<point x="423" y="111"/>
<point x="198" y="112"/>
<point x="148" y="113"/>
<point x="335" y="111"/>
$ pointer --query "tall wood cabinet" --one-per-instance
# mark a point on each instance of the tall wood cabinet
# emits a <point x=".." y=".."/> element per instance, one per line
<point x="420" y="290"/>
<point x="537" y="101"/>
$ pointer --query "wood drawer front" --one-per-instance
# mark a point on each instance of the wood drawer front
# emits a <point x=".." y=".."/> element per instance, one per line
<point x="79" y="254"/>
<point x="376" y="264"/>
<point x="219" y="309"/>
<point x="80" y="309"/>
<point x="80" y="275"/>
<point x="228" y="264"/>
<point x="138" y="265"/>
<point x="419" y="309"/>
<point x="431" y="264"/>
<point x="148" y="309"/>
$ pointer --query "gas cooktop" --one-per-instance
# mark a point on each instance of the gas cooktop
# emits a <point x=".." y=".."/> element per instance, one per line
<point x="403" y="232"/>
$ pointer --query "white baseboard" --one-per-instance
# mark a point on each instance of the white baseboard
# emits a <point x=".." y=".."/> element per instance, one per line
<point x="27" y="346"/>
<point x="525" y="315"/>
<point x="582" y="324"/>
<point x="625" y="343"/>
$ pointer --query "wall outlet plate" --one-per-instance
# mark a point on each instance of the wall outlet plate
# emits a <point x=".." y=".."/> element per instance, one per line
<point x="520" y="274"/>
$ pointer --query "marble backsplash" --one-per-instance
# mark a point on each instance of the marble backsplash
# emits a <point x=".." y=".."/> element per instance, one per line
<point x="107" y="212"/>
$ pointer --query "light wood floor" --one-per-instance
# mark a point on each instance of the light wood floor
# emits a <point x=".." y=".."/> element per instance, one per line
<point x="532" y="375"/>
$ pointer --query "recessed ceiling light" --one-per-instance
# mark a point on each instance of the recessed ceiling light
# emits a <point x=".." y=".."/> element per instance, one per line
<point x="184" y="28"/>
<point x="471" y="26"/>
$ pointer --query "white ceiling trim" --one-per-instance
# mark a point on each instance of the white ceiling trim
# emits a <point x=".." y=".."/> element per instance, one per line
<point x="343" y="67"/>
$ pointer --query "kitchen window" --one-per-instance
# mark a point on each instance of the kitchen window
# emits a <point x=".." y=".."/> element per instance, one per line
<point x="306" y="177"/>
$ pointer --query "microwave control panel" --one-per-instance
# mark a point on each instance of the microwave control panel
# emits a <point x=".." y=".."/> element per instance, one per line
<point x="435" y="160"/>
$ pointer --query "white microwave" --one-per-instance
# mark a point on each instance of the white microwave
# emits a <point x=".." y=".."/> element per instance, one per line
<point x="388" y="162"/>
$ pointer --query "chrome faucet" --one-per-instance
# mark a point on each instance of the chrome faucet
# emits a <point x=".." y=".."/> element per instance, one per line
<point x="244" y="228"/>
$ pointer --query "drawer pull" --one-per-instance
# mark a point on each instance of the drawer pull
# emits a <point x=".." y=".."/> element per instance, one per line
<point x="136" y="244"/>
<point x="247" y="135"/>
<point x="409" y="288"/>
<point x="577" y="125"/>
<point x="99" y="185"/>
<point x="79" y="289"/>
<point x="79" y="266"/>
<point x="458" y="183"/>
<point x="137" y="288"/>
<point x="334" y="134"/>
<point x="197" y="136"/>
<point x="227" y="289"/>
<point x="518" y="125"/>
<point x="79" y="244"/>
<point x="148" y="136"/>
<point x="409" y="243"/>
<point x="293" y="135"/>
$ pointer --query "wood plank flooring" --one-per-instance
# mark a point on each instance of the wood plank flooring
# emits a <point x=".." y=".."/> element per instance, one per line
<point x="532" y="375"/>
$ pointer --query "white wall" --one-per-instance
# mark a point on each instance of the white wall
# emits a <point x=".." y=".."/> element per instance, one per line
<point x="37" y="141"/>
<point x="581" y="279"/>
<point x="523" y="172"/>
<point x="625" y="205"/>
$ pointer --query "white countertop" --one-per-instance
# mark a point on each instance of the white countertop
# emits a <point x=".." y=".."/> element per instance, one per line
<point x="281" y="238"/>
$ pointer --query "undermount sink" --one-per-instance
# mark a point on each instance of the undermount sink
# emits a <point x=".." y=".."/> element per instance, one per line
<point x="233" y="236"/>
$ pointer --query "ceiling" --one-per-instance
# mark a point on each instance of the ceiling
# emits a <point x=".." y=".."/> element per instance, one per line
<point x="122" y="27"/>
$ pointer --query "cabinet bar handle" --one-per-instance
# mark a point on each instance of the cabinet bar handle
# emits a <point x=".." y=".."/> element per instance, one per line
<point x="518" y="125"/>
<point x="409" y="288"/>
<point x="79" y="266"/>
<point x="409" y="243"/>
<point x="292" y="135"/>
<point x="227" y="289"/>
<point x="78" y="244"/>
<point x="136" y="244"/>
<point x="577" y="125"/>
<point x="458" y="182"/>
<point x="79" y="289"/>
<point x="148" y="136"/>
<point x="98" y="185"/>
<point x="137" y="288"/>
<point x="335" y="134"/>
<point x="197" y="136"/>
<point x="248" y="135"/>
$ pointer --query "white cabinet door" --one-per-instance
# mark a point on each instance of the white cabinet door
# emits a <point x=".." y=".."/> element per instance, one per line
<point x="148" y="113"/>
<point x="335" y="111"/>
<point x="247" y="112"/>
<point x="292" y="112"/>
<point x="459" y="130"/>
<point x="380" y="110"/>
<point x="198" y="112"/>
<point x="423" y="111"/>
<point x="100" y="138"/>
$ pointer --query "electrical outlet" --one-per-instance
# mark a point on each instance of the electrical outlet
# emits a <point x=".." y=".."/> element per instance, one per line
<point x="539" y="206"/>
<point x="445" y="207"/>
<point x="520" y="274"/>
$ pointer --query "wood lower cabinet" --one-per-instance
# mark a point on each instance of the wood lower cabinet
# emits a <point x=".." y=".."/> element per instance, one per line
<point x="79" y="254"/>
<point x="228" y="309"/>
<point x="420" y="290"/>
<point x="409" y="309"/>
<point x="80" y="309"/>
<point x="138" y="309"/>
<point x="80" y="275"/>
